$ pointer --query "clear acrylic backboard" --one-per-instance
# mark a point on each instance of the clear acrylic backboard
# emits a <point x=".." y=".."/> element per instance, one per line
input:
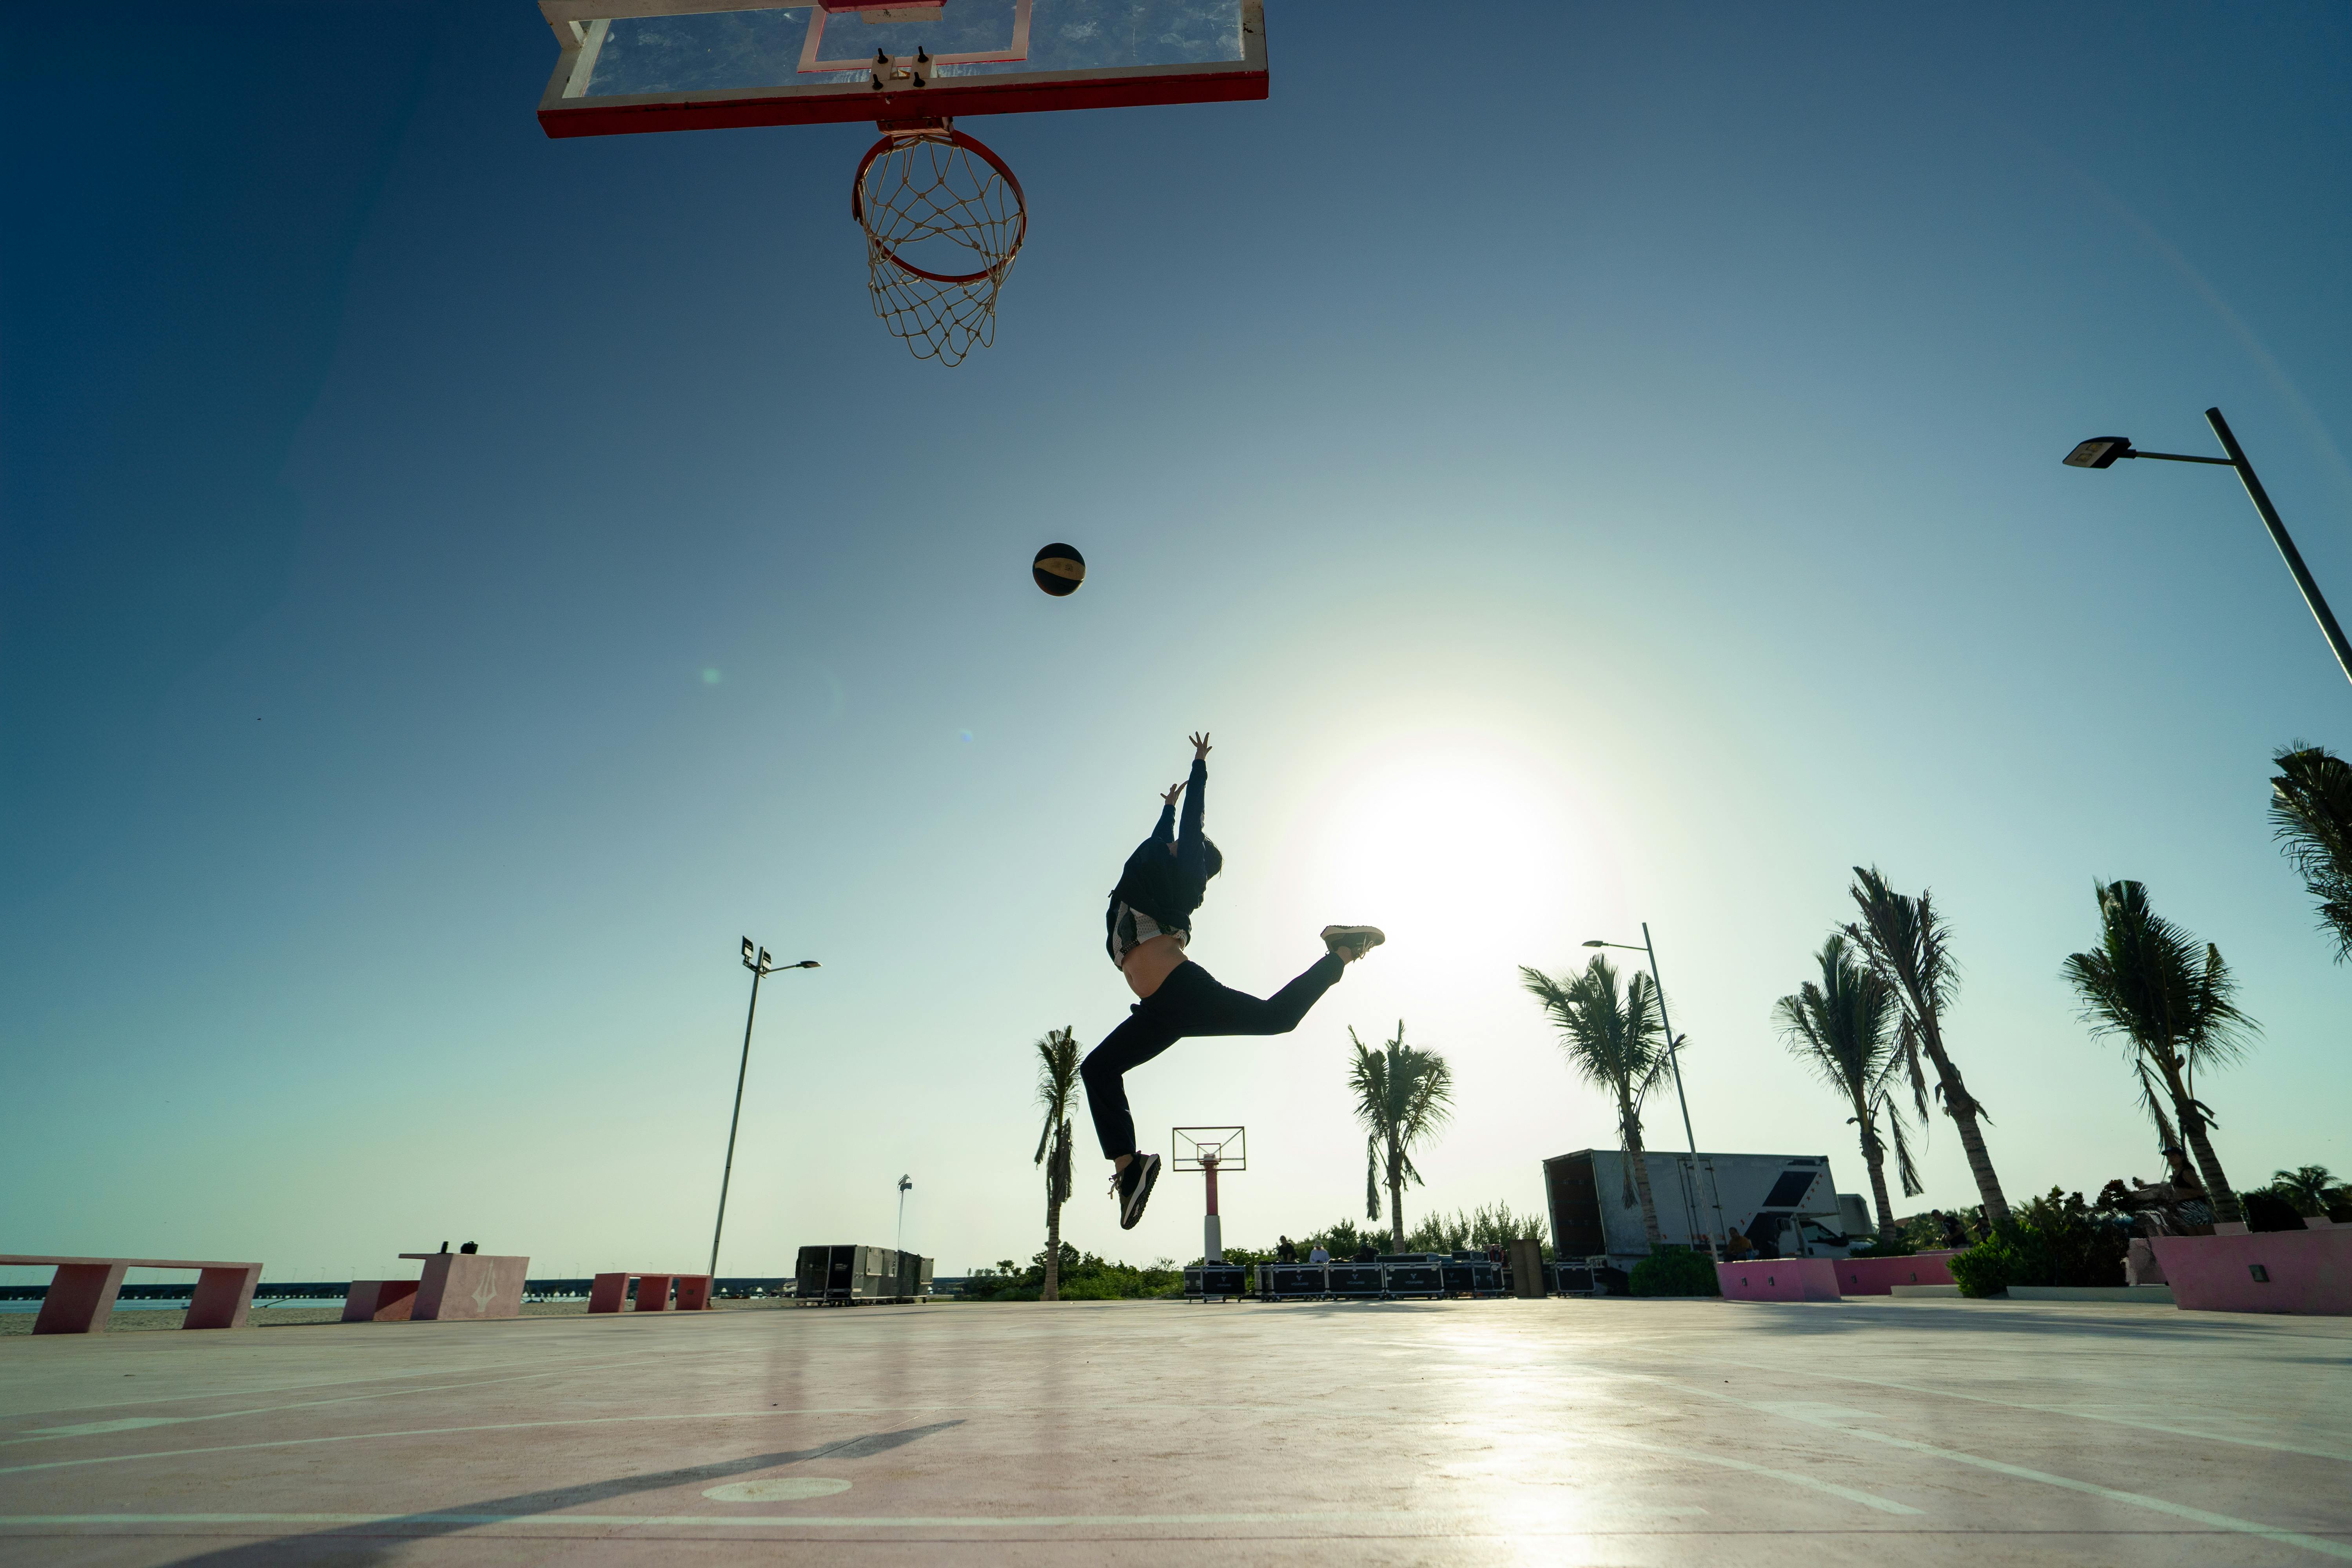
<point x="1195" y="1147"/>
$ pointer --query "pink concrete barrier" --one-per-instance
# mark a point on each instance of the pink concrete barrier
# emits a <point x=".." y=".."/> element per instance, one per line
<point x="468" y="1285"/>
<point x="1879" y="1276"/>
<point x="379" y="1300"/>
<point x="2307" y="1272"/>
<point x="1780" y="1280"/>
<point x="81" y="1294"/>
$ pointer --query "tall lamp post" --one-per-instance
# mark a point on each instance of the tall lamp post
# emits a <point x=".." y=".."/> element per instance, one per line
<point x="756" y="961"/>
<point x="904" y="1184"/>
<point x="1674" y="1061"/>
<point x="2104" y="451"/>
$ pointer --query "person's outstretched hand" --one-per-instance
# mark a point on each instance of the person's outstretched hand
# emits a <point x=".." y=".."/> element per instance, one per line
<point x="1200" y="745"/>
<point x="1174" y="791"/>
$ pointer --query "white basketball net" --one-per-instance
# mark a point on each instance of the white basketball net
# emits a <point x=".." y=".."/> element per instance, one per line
<point x="943" y="220"/>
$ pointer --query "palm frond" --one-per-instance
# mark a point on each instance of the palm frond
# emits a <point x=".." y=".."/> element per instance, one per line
<point x="1057" y="1082"/>
<point x="1614" y="1039"/>
<point x="1905" y="1169"/>
<point x="2311" y="817"/>
<point x="2148" y="982"/>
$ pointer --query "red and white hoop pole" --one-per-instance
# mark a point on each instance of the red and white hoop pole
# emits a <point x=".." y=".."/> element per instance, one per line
<point x="1213" y="1241"/>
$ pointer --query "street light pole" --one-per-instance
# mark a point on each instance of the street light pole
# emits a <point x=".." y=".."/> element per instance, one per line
<point x="1673" y="1059"/>
<point x="761" y="969"/>
<point x="2104" y="451"/>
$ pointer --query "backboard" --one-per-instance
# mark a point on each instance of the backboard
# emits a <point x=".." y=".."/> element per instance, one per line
<point x="629" y="66"/>
<point x="1195" y="1147"/>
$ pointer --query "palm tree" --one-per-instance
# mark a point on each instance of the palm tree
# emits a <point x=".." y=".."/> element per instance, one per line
<point x="2311" y="816"/>
<point x="2308" y="1186"/>
<point x="1844" y="1028"/>
<point x="1057" y="1085"/>
<point x="2147" y="981"/>
<point x="1909" y="946"/>
<point x="1617" y="1044"/>
<point x="1402" y="1095"/>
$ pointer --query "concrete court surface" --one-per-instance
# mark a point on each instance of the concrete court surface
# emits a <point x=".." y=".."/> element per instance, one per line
<point x="1559" y="1431"/>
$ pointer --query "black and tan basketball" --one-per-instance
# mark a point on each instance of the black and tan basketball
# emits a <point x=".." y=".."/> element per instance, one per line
<point x="1059" y="569"/>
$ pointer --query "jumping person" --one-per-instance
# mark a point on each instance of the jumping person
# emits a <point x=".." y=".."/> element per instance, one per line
<point x="1147" y="927"/>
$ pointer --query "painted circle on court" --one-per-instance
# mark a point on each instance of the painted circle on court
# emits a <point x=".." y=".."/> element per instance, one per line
<point x="777" y="1489"/>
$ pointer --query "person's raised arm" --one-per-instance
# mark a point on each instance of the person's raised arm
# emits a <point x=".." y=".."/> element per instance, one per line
<point x="1165" y="831"/>
<point x="1188" y="853"/>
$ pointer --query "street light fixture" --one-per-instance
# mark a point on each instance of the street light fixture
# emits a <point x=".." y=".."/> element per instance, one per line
<point x="1674" y="1059"/>
<point x="2105" y="451"/>
<point x="755" y="960"/>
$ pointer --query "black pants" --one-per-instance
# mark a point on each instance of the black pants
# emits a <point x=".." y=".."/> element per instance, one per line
<point x="1189" y="1002"/>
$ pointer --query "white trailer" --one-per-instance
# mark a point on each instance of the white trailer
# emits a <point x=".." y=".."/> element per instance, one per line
<point x="1786" y="1201"/>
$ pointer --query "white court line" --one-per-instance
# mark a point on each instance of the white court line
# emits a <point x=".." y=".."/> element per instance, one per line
<point x="786" y="1521"/>
<point x="448" y="1431"/>
<point x="713" y="1354"/>
<point x="1816" y="1417"/>
<point x="2062" y="1410"/>
<point x="1867" y="1499"/>
<point x="134" y="1423"/>
<point x="2178" y="1511"/>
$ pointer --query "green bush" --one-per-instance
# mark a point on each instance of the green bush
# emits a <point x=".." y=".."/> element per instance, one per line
<point x="2056" y="1239"/>
<point x="1085" y="1278"/>
<point x="1988" y="1269"/>
<point x="1676" y="1271"/>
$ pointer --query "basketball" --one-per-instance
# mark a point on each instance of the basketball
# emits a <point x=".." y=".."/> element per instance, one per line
<point x="1059" y="569"/>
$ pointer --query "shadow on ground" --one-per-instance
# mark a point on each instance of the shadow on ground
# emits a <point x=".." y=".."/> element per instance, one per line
<point x="381" y="1540"/>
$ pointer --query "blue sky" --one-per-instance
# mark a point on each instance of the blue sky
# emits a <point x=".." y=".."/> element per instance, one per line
<point x="456" y="583"/>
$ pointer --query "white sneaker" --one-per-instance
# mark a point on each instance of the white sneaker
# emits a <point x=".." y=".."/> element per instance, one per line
<point x="1352" y="943"/>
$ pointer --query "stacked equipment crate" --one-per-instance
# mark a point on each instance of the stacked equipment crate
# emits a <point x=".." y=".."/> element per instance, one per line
<point x="849" y="1274"/>
<point x="1219" y="1281"/>
<point x="1473" y="1274"/>
<point x="1292" y="1282"/>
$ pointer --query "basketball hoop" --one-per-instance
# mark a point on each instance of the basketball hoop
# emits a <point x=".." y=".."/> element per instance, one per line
<point x="944" y="220"/>
<point x="1209" y="1150"/>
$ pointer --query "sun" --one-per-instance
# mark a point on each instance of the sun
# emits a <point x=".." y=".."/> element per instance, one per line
<point x="1457" y="842"/>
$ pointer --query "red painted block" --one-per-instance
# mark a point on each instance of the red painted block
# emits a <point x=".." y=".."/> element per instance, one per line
<point x="694" y="1292"/>
<point x="1879" y="1276"/>
<point x="224" y="1296"/>
<point x="80" y="1299"/>
<point x="379" y="1300"/>
<point x="609" y="1293"/>
<point x="1780" y="1280"/>
<point x="653" y="1292"/>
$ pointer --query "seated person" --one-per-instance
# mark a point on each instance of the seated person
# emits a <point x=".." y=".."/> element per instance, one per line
<point x="1320" y="1254"/>
<point x="1367" y="1253"/>
<point x="1285" y="1250"/>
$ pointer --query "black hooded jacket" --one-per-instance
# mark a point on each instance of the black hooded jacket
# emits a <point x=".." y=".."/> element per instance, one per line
<point x="1166" y="887"/>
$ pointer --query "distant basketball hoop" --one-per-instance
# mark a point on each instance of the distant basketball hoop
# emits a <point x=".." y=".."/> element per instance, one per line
<point x="1209" y="1149"/>
<point x="944" y="220"/>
